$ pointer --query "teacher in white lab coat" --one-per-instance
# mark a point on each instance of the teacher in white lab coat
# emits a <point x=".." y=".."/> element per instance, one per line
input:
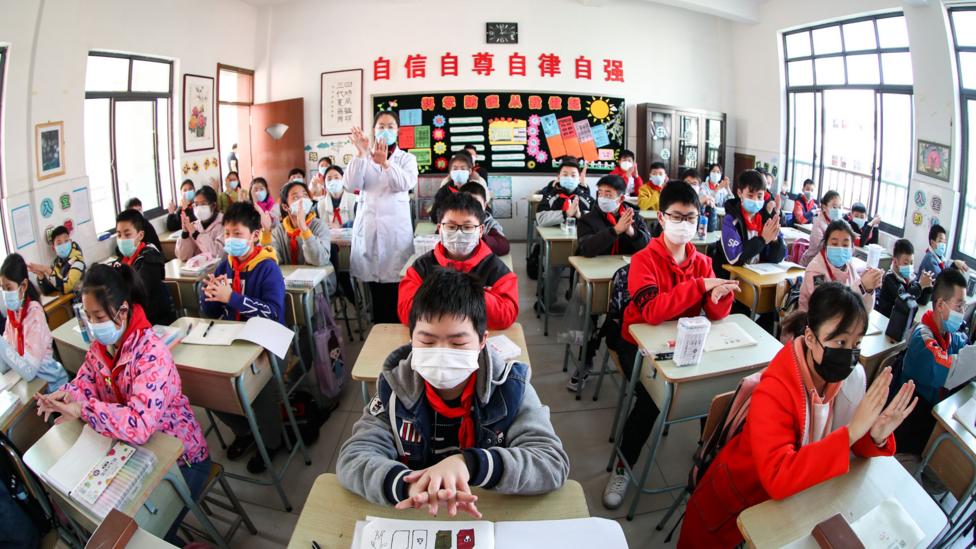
<point x="382" y="234"/>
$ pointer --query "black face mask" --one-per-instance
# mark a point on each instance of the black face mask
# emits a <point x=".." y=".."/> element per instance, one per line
<point x="836" y="364"/>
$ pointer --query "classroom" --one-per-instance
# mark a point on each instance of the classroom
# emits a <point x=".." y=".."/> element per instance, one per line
<point x="454" y="275"/>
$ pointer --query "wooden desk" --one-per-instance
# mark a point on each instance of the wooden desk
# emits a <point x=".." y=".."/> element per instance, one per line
<point x="556" y="248"/>
<point x="868" y="483"/>
<point x="805" y="227"/>
<point x="424" y="228"/>
<point x="684" y="393"/>
<point x="168" y="241"/>
<point x="342" y="238"/>
<point x="25" y="392"/>
<point x="792" y="234"/>
<point x="649" y="217"/>
<point x="506" y="259"/>
<point x="58" y="308"/>
<point x="383" y="339"/>
<point x="330" y="513"/>
<point x="758" y="291"/>
<point x="876" y="346"/>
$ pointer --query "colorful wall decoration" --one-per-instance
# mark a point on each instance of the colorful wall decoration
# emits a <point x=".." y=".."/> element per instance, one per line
<point x="513" y="132"/>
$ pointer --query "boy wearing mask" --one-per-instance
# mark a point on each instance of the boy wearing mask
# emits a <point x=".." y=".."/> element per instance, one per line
<point x="68" y="267"/>
<point x="461" y="171"/>
<point x="936" y="258"/>
<point x="866" y="230"/>
<point x="901" y="279"/>
<point x="627" y="169"/>
<point x="649" y="196"/>
<point x="565" y="197"/>
<point x="805" y="206"/>
<point x="750" y="234"/>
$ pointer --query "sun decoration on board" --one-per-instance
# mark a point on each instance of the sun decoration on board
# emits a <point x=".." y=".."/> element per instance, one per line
<point x="600" y="109"/>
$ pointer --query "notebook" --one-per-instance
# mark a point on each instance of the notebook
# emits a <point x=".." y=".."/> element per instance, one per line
<point x="773" y="268"/>
<point x="263" y="332"/>
<point x="727" y="335"/>
<point x="888" y="525"/>
<point x="963" y="368"/>
<point x="966" y="415"/>
<point x="199" y="264"/>
<point x="305" y="278"/>
<point x="429" y="534"/>
<point x="9" y="379"/>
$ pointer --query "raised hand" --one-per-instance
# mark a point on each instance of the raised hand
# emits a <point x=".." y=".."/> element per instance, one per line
<point x="898" y="409"/>
<point x="871" y="279"/>
<point x="770" y="230"/>
<point x="359" y="140"/>
<point x="926" y="279"/>
<point x="869" y="409"/>
<point x="380" y="149"/>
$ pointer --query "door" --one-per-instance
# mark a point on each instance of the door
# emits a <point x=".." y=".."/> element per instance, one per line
<point x="689" y="129"/>
<point x="273" y="158"/>
<point x="714" y="146"/>
<point x="660" y="127"/>
<point x="235" y="122"/>
<point x="742" y="163"/>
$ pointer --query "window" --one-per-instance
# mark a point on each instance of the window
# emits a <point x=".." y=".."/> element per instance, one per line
<point x="3" y="187"/>
<point x="963" y="21"/>
<point x="850" y="115"/>
<point x="235" y="95"/>
<point x="128" y="134"/>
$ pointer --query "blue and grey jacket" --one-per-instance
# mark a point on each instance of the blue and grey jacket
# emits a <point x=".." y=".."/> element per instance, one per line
<point x="736" y="248"/>
<point x="517" y="451"/>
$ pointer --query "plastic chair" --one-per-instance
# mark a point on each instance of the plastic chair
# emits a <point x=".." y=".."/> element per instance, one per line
<point x="232" y="504"/>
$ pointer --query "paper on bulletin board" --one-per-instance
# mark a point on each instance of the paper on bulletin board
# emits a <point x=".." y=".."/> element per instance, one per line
<point x="81" y="205"/>
<point x="20" y="220"/>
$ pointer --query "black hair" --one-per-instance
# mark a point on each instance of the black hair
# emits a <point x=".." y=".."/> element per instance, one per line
<point x="234" y="146"/>
<point x="333" y="167"/>
<point x="834" y="226"/>
<point x="806" y="182"/>
<point x="324" y="159"/>
<point x="257" y="181"/>
<point x="243" y="213"/>
<point x="396" y="117"/>
<point x="690" y="172"/>
<point x="859" y="208"/>
<point x="945" y="284"/>
<point x="762" y="170"/>
<point x="828" y="197"/>
<point x="139" y="223"/>
<point x="447" y="292"/>
<point x="714" y="165"/>
<point x="473" y="187"/>
<point x="614" y="181"/>
<point x="58" y="231"/>
<point x="133" y="203"/>
<point x="832" y="299"/>
<point x="935" y="231"/>
<point x="14" y="269"/>
<point x="792" y="326"/>
<point x="752" y="180"/>
<point x="470" y="146"/>
<point x="568" y="162"/>
<point x="230" y="173"/>
<point x="284" y="196"/>
<point x="903" y="246"/>
<point x="462" y="157"/>
<point x="208" y="193"/>
<point x="188" y="182"/>
<point x="628" y="153"/>
<point x="296" y="171"/>
<point x="679" y="192"/>
<point x="111" y="285"/>
<point x="658" y="166"/>
<point x="461" y="202"/>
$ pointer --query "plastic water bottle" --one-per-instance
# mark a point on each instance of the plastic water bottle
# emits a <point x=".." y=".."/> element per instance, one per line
<point x="82" y="322"/>
<point x="569" y="225"/>
<point x="702" y="226"/>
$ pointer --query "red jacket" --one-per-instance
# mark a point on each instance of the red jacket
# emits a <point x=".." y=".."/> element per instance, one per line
<point x="766" y="460"/>
<point x="638" y="182"/>
<point x="501" y="286"/>
<point x="662" y="290"/>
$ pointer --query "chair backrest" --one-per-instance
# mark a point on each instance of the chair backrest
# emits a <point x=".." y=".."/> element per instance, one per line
<point x="716" y="411"/>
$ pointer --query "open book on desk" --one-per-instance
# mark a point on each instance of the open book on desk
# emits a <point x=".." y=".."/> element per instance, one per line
<point x="305" y="277"/>
<point x="260" y="331"/>
<point x="773" y="268"/>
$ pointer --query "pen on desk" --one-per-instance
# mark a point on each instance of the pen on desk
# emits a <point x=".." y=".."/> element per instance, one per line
<point x="315" y="545"/>
<point x="205" y="332"/>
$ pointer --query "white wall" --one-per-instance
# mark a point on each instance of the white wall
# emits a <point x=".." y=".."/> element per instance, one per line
<point x="670" y="55"/>
<point x="48" y="45"/>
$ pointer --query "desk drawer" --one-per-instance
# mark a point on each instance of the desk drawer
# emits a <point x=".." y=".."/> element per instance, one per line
<point x="219" y="393"/>
<point x="560" y="251"/>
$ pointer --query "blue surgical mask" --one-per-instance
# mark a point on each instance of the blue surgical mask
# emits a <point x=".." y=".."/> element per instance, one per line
<point x="11" y="300"/>
<point x="63" y="249"/>
<point x="188" y="195"/>
<point x="460" y="177"/>
<point x="715" y="177"/>
<point x="838" y="256"/>
<point x="236" y="247"/>
<point x="950" y="324"/>
<point x="858" y="221"/>
<point x="334" y="186"/>
<point x="107" y="333"/>
<point x="753" y="205"/>
<point x="906" y="271"/>
<point x="233" y="183"/>
<point x="658" y="180"/>
<point x="940" y="249"/>
<point x="568" y="183"/>
<point x="834" y="214"/>
<point x="306" y="204"/>
<point x="261" y="195"/>
<point x="127" y="246"/>
<point x="322" y="170"/>
<point x="387" y="135"/>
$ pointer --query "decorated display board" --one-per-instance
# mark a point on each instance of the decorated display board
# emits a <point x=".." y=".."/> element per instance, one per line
<point x="513" y="132"/>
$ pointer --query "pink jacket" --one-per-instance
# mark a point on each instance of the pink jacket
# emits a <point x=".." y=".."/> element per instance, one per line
<point x="208" y="241"/>
<point x="37" y="334"/>
<point x="149" y="385"/>
<point x="819" y="271"/>
<point x="816" y="235"/>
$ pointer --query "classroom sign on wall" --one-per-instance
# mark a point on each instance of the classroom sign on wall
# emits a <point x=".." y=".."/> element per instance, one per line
<point x="515" y="132"/>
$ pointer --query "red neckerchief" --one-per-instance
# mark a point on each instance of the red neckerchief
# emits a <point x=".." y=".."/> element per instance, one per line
<point x="17" y="323"/>
<point x="237" y="265"/>
<point x="132" y="258"/>
<point x="826" y="214"/>
<point x="613" y="222"/>
<point x="452" y="188"/>
<point x="713" y="186"/>
<point x="137" y="322"/>
<point x="566" y="199"/>
<point x="466" y="431"/>
<point x="928" y="319"/>
<point x="335" y="210"/>
<point x="754" y="224"/>
<point x="830" y="267"/>
<point x="941" y="263"/>
<point x="653" y="186"/>
<point x="293" y="241"/>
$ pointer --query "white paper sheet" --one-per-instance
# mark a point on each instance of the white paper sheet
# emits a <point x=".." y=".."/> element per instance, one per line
<point x="23" y="226"/>
<point x="963" y="369"/>
<point x="586" y="532"/>
<point x="505" y="347"/>
<point x="78" y="460"/>
<point x="406" y="534"/>
<point x="727" y="335"/>
<point x="267" y="333"/>
<point x="887" y="525"/>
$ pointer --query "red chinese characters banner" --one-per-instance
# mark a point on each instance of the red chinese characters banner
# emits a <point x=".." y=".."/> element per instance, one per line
<point x="515" y="64"/>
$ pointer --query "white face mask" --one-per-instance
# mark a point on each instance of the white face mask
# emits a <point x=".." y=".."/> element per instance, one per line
<point x="202" y="212"/>
<point x="607" y="205"/>
<point x="680" y="233"/>
<point x="459" y="243"/>
<point x="626" y="165"/>
<point x="305" y="203"/>
<point x="444" y="368"/>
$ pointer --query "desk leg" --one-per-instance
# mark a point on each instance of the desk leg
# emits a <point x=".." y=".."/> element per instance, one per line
<point x="546" y="288"/>
<point x="955" y="526"/>
<point x="176" y="480"/>
<point x="623" y="406"/>
<point x="755" y="299"/>
<point x="654" y="442"/>
<point x="365" y="388"/>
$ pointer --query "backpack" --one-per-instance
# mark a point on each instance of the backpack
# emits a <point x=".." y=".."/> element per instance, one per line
<point x="619" y="299"/>
<point x="532" y="262"/>
<point x="791" y="298"/>
<point x="902" y="317"/>
<point x="308" y="416"/>
<point x="798" y="248"/>
<point x="331" y="369"/>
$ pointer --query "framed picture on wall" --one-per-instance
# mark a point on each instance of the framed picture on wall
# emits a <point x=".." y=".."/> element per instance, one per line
<point x="198" y="113"/>
<point x="341" y="101"/>
<point x="49" y="149"/>
<point x="933" y="160"/>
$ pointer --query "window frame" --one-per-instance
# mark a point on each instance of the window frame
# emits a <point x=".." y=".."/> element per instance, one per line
<point x="4" y="53"/>
<point x="152" y="97"/>
<point x="817" y="90"/>
<point x="965" y="95"/>
<point x="239" y="70"/>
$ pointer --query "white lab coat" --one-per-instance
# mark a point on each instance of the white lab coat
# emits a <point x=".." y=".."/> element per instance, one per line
<point x="382" y="234"/>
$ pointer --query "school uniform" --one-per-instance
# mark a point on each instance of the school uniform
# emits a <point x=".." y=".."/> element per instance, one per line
<point x="742" y="242"/>
<point x="148" y="262"/>
<point x="494" y="236"/>
<point x="893" y="285"/>
<point x="293" y="246"/>
<point x="66" y="273"/>
<point x="225" y="199"/>
<point x="551" y="210"/>
<point x="447" y="188"/>
<point x="499" y="425"/>
<point x="820" y="223"/>
<point x="933" y="263"/>
<point x="793" y="439"/>
<point x="649" y="196"/>
<point x="865" y="234"/>
<point x="26" y="346"/>
<point x="341" y="212"/>
<point x="206" y="238"/>
<point x="501" y="286"/>
<point x="596" y="236"/>
<point x="820" y="271"/>
<point x="803" y="209"/>
<point x="634" y="183"/>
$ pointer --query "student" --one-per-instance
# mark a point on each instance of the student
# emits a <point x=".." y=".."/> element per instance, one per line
<point x="136" y="247"/>
<point x="264" y="203"/>
<point x="336" y="207"/>
<point x="936" y="258"/>
<point x="461" y="248"/>
<point x="614" y="226"/>
<point x="248" y="283"/>
<point x="567" y="196"/>
<point x="750" y="234"/>
<point x="206" y="234"/>
<point x="493" y="234"/>
<point x="68" y="267"/>
<point x="649" y="196"/>
<point x="317" y="185"/>
<point x="669" y="279"/>
<point x="718" y="186"/>
<point x="834" y="264"/>
<point x="691" y="177"/>
<point x="805" y="207"/>
<point x="461" y="172"/>
<point x="829" y="212"/>
<point x="128" y="388"/>
<point x="232" y="192"/>
<point x="134" y="204"/>
<point x="477" y="168"/>
<point x="174" y="219"/>
<point x="866" y="232"/>
<point x="382" y="239"/>
<point x="296" y="175"/>
<point x="901" y="279"/>
<point x="301" y="238"/>
<point x="26" y="343"/>
<point x="449" y="413"/>
<point x="626" y="168"/>
<point x="808" y="413"/>
<point x="232" y="162"/>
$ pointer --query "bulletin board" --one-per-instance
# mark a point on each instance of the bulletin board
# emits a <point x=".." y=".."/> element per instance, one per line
<point x="513" y="132"/>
